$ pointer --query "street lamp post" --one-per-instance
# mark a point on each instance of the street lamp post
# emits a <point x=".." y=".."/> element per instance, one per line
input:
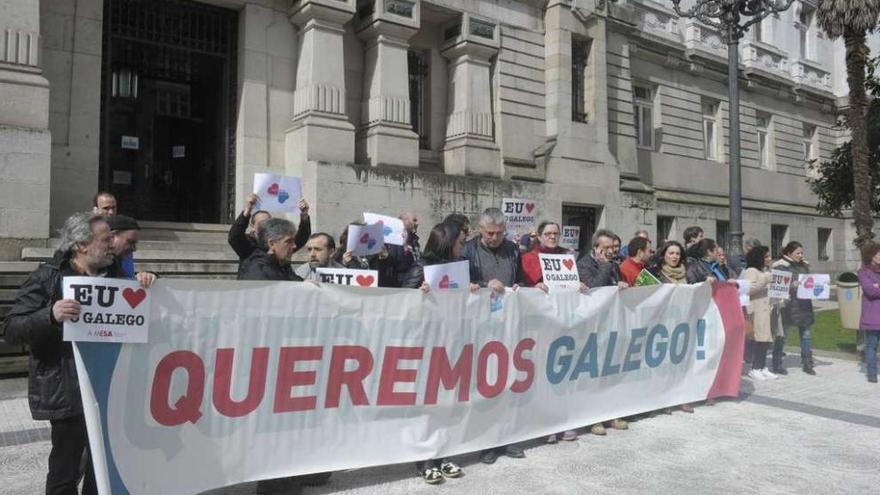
<point x="732" y="18"/>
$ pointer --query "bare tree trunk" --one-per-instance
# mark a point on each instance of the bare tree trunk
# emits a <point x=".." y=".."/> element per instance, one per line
<point x="856" y="61"/>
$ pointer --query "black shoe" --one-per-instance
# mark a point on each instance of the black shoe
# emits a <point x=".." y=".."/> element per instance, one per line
<point x="514" y="451"/>
<point x="872" y="379"/>
<point x="279" y="486"/>
<point x="780" y="371"/>
<point x="489" y="456"/>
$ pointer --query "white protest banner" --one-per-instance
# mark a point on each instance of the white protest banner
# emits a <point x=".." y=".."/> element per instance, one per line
<point x="744" y="286"/>
<point x="278" y="192"/>
<point x="251" y="380"/>
<point x="364" y="240"/>
<point x="571" y="236"/>
<point x="392" y="228"/>
<point x="112" y="310"/>
<point x="814" y="286"/>
<point x="520" y="215"/>
<point x="455" y="275"/>
<point x="780" y="285"/>
<point x="559" y="271"/>
<point x="344" y="276"/>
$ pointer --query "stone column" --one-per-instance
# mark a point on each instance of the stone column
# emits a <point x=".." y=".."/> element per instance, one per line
<point x="321" y="130"/>
<point x="470" y="147"/>
<point x="25" y="141"/>
<point x="386" y="135"/>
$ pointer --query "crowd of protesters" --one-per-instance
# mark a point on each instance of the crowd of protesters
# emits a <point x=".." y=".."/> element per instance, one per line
<point x="103" y="243"/>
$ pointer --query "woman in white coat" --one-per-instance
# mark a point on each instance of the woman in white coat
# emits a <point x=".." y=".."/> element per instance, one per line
<point x="758" y="274"/>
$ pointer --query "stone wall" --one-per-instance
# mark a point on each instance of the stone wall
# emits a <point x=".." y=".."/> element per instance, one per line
<point x="24" y="134"/>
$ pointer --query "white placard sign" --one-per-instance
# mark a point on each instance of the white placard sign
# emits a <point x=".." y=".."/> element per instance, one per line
<point x="743" y="288"/>
<point x="112" y="310"/>
<point x="344" y="276"/>
<point x="454" y="275"/>
<point x="814" y="286"/>
<point x="131" y="143"/>
<point x="520" y="216"/>
<point x="571" y="236"/>
<point x="780" y="284"/>
<point x="559" y="271"/>
<point x="278" y="192"/>
<point x="392" y="228"/>
<point x="364" y="240"/>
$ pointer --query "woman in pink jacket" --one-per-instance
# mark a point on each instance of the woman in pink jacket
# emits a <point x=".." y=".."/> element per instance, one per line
<point x="869" y="279"/>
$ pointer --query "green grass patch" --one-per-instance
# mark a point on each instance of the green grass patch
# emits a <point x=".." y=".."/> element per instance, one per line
<point x="828" y="334"/>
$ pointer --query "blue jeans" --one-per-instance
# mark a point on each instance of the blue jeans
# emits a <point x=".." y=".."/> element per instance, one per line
<point x="779" y="345"/>
<point x="805" y="335"/>
<point x="872" y="337"/>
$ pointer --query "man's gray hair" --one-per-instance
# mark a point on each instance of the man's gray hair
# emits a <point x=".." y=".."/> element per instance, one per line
<point x="77" y="230"/>
<point x="752" y="242"/>
<point x="602" y="233"/>
<point x="275" y="229"/>
<point x="492" y="216"/>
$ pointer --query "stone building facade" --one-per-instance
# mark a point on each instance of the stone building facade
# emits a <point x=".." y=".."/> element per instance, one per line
<point x="607" y="114"/>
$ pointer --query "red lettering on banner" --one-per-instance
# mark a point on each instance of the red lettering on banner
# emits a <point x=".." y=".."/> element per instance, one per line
<point x="222" y="395"/>
<point x="391" y="374"/>
<point x="524" y="364"/>
<point x="289" y="378"/>
<point x="486" y="390"/>
<point x="186" y="408"/>
<point x="441" y="372"/>
<point x="353" y="379"/>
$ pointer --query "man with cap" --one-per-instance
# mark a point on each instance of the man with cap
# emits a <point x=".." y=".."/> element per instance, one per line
<point x="124" y="234"/>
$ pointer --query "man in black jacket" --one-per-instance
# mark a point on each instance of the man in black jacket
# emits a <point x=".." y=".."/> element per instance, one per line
<point x="494" y="263"/>
<point x="597" y="268"/>
<point x="36" y="319"/>
<point x="244" y="243"/>
<point x="270" y="260"/>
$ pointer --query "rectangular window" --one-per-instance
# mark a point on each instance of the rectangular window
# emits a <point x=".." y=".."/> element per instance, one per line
<point x="665" y="226"/>
<point x="580" y="52"/>
<point x="418" y="96"/>
<point x="809" y="142"/>
<point x="806" y="33"/>
<point x="778" y="238"/>
<point x="710" y="129"/>
<point x="722" y="233"/>
<point x="825" y="247"/>
<point x="765" y="149"/>
<point x="643" y="108"/>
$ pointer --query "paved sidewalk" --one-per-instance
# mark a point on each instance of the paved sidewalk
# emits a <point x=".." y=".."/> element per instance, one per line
<point x="799" y="434"/>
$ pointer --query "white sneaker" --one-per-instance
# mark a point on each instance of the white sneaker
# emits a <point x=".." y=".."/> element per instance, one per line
<point x="757" y="376"/>
<point x="769" y="374"/>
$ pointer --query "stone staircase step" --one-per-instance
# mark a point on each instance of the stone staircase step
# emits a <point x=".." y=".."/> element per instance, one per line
<point x="170" y="245"/>
<point x="43" y="254"/>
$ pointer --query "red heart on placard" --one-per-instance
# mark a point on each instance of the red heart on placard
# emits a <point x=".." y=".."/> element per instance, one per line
<point x="530" y="207"/>
<point x="568" y="264"/>
<point x="444" y="282"/>
<point x="364" y="280"/>
<point x="786" y="280"/>
<point x="808" y="283"/>
<point x="134" y="297"/>
<point x="365" y="239"/>
<point x="273" y="189"/>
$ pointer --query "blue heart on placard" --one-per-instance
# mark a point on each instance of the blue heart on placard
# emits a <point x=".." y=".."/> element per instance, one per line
<point x="387" y="230"/>
<point x="371" y="243"/>
<point x="817" y="290"/>
<point x="283" y="196"/>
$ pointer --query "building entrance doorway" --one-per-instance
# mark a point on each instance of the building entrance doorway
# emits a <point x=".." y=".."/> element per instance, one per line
<point x="168" y="103"/>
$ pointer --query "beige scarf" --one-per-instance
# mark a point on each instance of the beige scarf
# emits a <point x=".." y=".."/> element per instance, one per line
<point x="674" y="275"/>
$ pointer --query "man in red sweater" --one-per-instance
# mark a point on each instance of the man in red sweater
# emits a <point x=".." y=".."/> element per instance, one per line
<point x="640" y="252"/>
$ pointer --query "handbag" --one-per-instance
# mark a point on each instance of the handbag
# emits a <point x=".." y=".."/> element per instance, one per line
<point x="749" y="327"/>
